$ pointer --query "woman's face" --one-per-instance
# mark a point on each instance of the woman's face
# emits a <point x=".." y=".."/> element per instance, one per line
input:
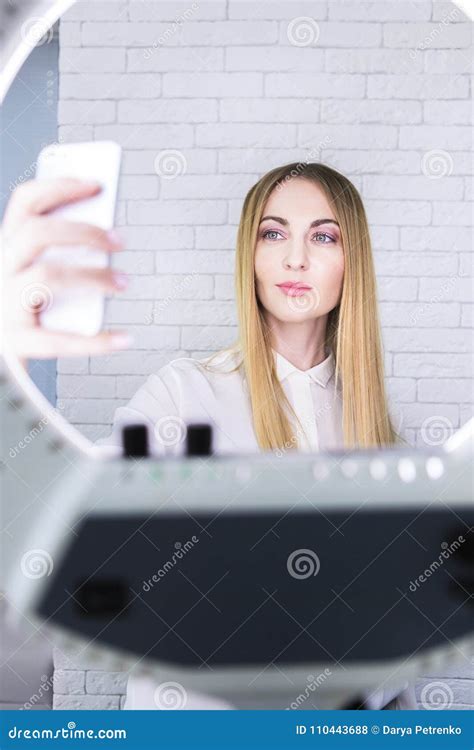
<point x="298" y="241"/>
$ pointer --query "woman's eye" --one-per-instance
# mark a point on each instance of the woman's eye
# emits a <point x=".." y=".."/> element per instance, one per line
<point x="271" y="234"/>
<point x="323" y="237"/>
<point x="274" y="234"/>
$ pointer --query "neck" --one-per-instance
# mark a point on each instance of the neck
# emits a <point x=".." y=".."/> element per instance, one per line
<point x="302" y="344"/>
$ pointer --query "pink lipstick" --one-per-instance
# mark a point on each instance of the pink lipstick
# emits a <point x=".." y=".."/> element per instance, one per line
<point x="294" y="288"/>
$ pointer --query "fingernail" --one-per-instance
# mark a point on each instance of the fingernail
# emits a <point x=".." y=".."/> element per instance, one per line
<point x="115" y="238"/>
<point x="121" y="280"/>
<point x="122" y="340"/>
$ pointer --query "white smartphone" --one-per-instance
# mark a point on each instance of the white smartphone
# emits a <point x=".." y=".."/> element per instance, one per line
<point x="81" y="310"/>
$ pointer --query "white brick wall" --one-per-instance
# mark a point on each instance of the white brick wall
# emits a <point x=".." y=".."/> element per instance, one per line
<point x="382" y="93"/>
<point x="382" y="88"/>
<point x="77" y="685"/>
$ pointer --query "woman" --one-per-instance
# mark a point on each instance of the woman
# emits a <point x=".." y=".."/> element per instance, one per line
<point x="306" y="371"/>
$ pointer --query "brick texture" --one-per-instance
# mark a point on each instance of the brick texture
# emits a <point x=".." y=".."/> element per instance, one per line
<point x="378" y="90"/>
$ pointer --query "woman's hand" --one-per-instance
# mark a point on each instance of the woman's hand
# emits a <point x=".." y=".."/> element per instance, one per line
<point x="28" y="283"/>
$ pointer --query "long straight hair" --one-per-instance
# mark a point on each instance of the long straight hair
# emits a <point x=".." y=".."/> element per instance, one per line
<point x="353" y="329"/>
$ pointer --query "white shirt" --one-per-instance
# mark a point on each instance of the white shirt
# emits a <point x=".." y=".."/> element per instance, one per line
<point x="183" y="392"/>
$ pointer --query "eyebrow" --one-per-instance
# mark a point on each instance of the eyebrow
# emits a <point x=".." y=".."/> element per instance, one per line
<point x="315" y="223"/>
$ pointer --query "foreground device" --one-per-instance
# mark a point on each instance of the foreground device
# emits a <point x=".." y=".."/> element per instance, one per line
<point x="240" y="576"/>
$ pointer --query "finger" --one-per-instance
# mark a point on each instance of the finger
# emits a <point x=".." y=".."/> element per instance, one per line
<point x="37" y="287"/>
<point x="22" y="247"/>
<point x="39" y="343"/>
<point x="36" y="197"/>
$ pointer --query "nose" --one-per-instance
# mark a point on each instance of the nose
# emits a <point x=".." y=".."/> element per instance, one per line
<point x="296" y="257"/>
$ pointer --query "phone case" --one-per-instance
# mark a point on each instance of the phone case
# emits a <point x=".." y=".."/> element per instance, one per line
<point x="80" y="310"/>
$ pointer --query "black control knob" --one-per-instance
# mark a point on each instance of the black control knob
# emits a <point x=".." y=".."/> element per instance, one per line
<point x="135" y="441"/>
<point x="199" y="440"/>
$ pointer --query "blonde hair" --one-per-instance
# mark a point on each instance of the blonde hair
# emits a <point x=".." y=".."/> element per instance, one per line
<point x="353" y="329"/>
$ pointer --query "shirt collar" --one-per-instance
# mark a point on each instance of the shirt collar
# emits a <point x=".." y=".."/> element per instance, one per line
<point x="320" y="373"/>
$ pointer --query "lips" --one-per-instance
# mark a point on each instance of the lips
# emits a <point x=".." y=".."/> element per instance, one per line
<point x="294" y="285"/>
<point x="294" y="288"/>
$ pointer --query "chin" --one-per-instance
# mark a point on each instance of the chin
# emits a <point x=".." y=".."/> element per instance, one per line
<point x="292" y="316"/>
